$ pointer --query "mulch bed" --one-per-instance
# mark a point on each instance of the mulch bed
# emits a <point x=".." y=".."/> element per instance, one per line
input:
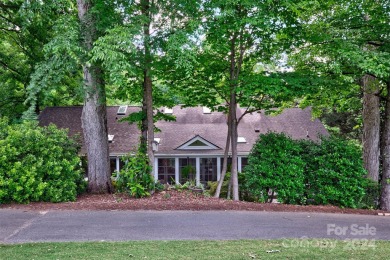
<point x="176" y="200"/>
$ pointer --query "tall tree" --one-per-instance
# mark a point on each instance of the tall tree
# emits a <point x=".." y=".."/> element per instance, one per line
<point x="94" y="115"/>
<point x="349" y="41"/>
<point x="235" y="38"/>
<point x="147" y="106"/>
<point x="139" y="49"/>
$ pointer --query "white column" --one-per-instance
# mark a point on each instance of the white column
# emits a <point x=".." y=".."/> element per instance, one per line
<point x="177" y="170"/>
<point x="117" y="168"/>
<point x="155" y="169"/>
<point x="117" y="164"/>
<point x="197" y="171"/>
<point x="218" y="168"/>
<point x="239" y="164"/>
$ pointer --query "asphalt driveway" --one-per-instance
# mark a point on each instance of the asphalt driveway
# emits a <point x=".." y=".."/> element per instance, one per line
<point x="17" y="226"/>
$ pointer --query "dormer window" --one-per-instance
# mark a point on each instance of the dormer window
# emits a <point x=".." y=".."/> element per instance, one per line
<point x="122" y="110"/>
<point x="110" y="138"/>
<point x="206" y="110"/>
<point x="168" y="110"/>
<point x="241" y="140"/>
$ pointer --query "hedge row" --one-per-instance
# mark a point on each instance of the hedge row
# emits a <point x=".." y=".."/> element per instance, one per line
<point x="306" y="172"/>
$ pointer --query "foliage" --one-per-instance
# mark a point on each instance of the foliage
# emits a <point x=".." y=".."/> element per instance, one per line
<point x="225" y="185"/>
<point x="340" y="42"/>
<point x="187" y="172"/>
<point x="275" y="165"/>
<point x="329" y="172"/>
<point x="135" y="177"/>
<point x="235" y="39"/>
<point x="38" y="164"/>
<point x="334" y="172"/>
<point x="189" y="185"/>
<point x="31" y="36"/>
<point x="371" y="196"/>
<point x="122" y="51"/>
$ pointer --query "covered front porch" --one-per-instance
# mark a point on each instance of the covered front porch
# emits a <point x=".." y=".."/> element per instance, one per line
<point x="180" y="169"/>
<point x="201" y="169"/>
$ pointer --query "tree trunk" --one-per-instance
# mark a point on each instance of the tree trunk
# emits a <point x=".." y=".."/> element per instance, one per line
<point x="94" y="115"/>
<point x="234" y="136"/>
<point x="385" y="182"/>
<point x="371" y="126"/>
<point x="233" y="71"/>
<point x="225" y="162"/>
<point x="144" y="124"/>
<point x="229" y="191"/>
<point x="148" y="94"/>
<point x="149" y="116"/>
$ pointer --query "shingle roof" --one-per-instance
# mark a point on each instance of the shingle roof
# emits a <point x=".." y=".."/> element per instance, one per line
<point x="190" y="122"/>
<point x="126" y="136"/>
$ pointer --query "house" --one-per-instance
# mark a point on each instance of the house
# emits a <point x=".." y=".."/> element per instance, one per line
<point x="193" y="144"/>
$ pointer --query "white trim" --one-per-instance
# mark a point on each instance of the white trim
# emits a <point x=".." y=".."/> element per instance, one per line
<point x="117" y="164"/>
<point x="193" y="155"/>
<point x="120" y="154"/>
<point x="207" y="146"/>
<point x="177" y="170"/>
<point x="197" y="178"/>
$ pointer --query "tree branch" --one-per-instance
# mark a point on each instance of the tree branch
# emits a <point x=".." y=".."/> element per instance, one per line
<point x="5" y="102"/>
<point x="9" y="6"/>
<point x="375" y="43"/>
<point x="8" y="20"/>
<point x="8" y="30"/>
<point x="6" y="66"/>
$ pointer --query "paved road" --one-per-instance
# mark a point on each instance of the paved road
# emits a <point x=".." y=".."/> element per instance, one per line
<point x="18" y="226"/>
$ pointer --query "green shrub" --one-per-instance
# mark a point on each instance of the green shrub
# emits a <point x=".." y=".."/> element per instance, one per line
<point x="224" y="189"/>
<point x="305" y="172"/>
<point x="135" y="177"/>
<point x="38" y="164"/>
<point x="275" y="165"/>
<point x="371" y="196"/>
<point x="334" y="172"/>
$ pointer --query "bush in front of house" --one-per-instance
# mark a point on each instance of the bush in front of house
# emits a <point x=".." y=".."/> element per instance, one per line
<point x="334" y="172"/>
<point x="306" y="172"/>
<point x="275" y="165"/>
<point x="38" y="164"/>
<point x="135" y="177"/>
<point x="224" y="188"/>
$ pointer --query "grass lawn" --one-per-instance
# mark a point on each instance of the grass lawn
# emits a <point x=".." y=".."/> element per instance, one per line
<point x="237" y="249"/>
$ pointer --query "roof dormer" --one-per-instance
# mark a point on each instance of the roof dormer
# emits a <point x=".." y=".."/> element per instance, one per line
<point x="122" y="110"/>
<point x="168" y="110"/>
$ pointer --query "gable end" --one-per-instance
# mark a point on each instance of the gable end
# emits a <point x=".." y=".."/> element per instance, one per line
<point x="198" y="143"/>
